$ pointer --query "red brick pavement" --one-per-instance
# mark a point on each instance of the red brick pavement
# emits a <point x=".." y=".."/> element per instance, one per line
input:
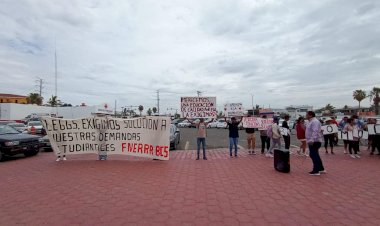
<point x="220" y="191"/>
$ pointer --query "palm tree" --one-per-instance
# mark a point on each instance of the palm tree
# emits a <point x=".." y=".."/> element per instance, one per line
<point x="141" y="108"/>
<point x="154" y="110"/>
<point x="375" y="93"/>
<point x="329" y="108"/>
<point x="34" y="98"/>
<point x="149" y="112"/>
<point x="53" y="101"/>
<point x="359" y="95"/>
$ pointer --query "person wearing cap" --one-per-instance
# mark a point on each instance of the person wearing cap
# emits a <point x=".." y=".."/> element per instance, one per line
<point x="233" y="134"/>
<point x="329" y="138"/>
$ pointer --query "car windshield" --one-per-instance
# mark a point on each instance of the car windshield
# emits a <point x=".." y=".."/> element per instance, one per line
<point x="4" y="129"/>
<point x="35" y="124"/>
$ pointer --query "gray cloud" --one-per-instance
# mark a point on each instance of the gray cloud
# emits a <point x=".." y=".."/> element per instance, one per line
<point x="282" y="52"/>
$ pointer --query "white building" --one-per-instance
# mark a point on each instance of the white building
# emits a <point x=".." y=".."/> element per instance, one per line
<point x="11" y="111"/>
<point x="295" y="111"/>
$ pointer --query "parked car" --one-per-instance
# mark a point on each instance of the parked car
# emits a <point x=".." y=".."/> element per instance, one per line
<point x="221" y="124"/>
<point x="21" y="127"/>
<point x="176" y="121"/>
<point x="37" y="125"/>
<point x="13" y="142"/>
<point x="212" y="124"/>
<point x="6" y="122"/>
<point x="184" y="123"/>
<point x="175" y="136"/>
<point x="45" y="143"/>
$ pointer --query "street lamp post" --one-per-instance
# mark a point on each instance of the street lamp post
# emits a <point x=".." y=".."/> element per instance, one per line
<point x="252" y="101"/>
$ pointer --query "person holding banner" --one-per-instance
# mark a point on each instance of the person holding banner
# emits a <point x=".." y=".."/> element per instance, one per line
<point x="251" y="139"/>
<point x="373" y="139"/>
<point x="201" y="138"/>
<point x="286" y="137"/>
<point x="352" y="144"/>
<point x="264" y="138"/>
<point x="233" y="134"/>
<point x="314" y="140"/>
<point x="341" y="125"/>
<point x="329" y="138"/>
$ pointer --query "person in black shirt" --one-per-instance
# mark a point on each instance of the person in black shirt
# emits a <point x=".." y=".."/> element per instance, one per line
<point x="251" y="139"/>
<point x="233" y="134"/>
<point x="286" y="137"/>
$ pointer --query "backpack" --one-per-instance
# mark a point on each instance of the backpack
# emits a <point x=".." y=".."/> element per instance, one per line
<point x="270" y="131"/>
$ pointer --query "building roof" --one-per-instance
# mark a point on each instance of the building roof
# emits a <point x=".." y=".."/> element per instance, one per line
<point x="6" y="95"/>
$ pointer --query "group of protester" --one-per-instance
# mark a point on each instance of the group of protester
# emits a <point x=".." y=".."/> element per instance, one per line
<point x="309" y="133"/>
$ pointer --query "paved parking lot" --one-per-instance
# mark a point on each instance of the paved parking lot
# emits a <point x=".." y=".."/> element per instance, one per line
<point x="182" y="191"/>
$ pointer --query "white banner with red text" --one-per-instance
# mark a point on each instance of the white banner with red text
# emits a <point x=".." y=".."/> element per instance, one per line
<point x="255" y="122"/>
<point x="144" y="137"/>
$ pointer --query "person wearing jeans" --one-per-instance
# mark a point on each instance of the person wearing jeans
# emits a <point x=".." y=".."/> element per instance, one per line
<point x="264" y="138"/>
<point x="314" y="136"/>
<point x="275" y="135"/>
<point x="233" y="134"/>
<point x="201" y="138"/>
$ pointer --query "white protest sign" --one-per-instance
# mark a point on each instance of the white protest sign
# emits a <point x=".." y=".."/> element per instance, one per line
<point x="144" y="137"/>
<point x="198" y="107"/>
<point x="329" y="129"/>
<point x="255" y="122"/>
<point x="284" y="131"/>
<point x="233" y="109"/>
<point x="360" y="134"/>
<point x="373" y="129"/>
<point x="345" y="135"/>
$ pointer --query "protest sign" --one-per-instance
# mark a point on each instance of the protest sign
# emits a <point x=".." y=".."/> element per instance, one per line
<point x="373" y="129"/>
<point x="198" y="107"/>
<point x="284" y="131"/>
<point x="255" y="122"/>
<point x="233" y="109"/>
<point x="143" y="137"/>
<point x="360" y="134"/>
<point x="345" y="135"/>
<point x="329" y="129"/>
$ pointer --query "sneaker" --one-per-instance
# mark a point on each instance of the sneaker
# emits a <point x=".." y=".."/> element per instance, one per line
<point x="332" y="153"/>
<point x="249" y="152"/>
<point x="58" y="159"/>
<point x="314" y="173"/>
<point x="235" y="155"/>
<point x="267" y="155"/>
<point x="197" y="158"/>
<point x="253" y="153"/>
<point x="64" y="159"/>
<point x="353" y="156"/>
<point x="345" y="152"/>
<point x="323" y="171"/>
<point x="204" y="158"/>
<point x="357" y="156"/>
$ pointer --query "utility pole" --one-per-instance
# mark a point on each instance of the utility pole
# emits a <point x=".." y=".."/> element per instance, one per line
<point x="39" y="84"/>
<point x="199" y="93"/>
<point x="252" y="101"/>
<point x="158" y="102"/>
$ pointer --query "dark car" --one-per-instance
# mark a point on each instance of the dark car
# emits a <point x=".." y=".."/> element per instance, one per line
<point x="45" y="143"/>
<point x="13" y="142"/>
<point x="175" y="136"/>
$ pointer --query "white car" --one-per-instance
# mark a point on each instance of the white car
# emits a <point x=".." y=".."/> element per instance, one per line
<point x="212" y="124"/>
<point x="221" y="124"/>
<point x="184" y="123"/>
<point x="36" y="124"/>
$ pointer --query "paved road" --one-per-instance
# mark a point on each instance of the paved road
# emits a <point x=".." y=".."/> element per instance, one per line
<point x="218" y="138"/>
<point x="221" y="191"/>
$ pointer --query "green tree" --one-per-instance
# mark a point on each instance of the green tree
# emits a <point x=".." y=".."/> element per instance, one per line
<point x="154" y="110"/>
<point x="329" y="108"/>
<point x="53" y="101"/>
<point x="359" y="95"/>
<point x="375" y="93"/>
<point x="149" y="112"/>
<point x="34" y="98"/>
<point x="141" y="108"/>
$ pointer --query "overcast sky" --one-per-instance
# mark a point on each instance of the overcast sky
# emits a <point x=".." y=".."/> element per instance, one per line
<point x="282" y="52"/>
